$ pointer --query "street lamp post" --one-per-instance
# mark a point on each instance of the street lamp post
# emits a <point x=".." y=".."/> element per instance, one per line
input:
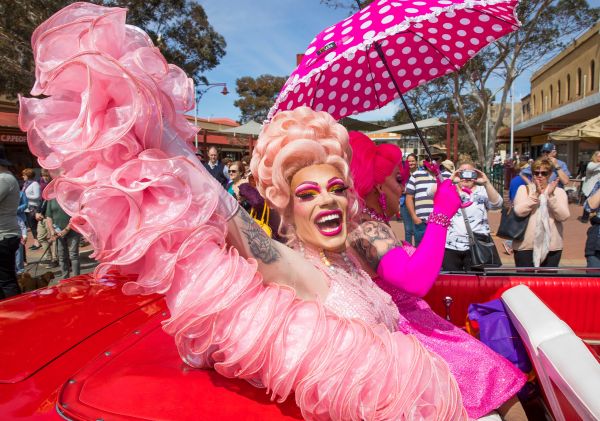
<point x="199" y="94"/>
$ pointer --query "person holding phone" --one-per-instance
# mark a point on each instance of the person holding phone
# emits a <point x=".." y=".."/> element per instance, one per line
<point x="477" y="189"/>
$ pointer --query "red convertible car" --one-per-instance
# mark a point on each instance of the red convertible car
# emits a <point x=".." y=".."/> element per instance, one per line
<point x="83" y="350"/>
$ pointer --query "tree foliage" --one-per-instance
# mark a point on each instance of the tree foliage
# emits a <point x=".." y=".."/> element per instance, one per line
<point x="257" y="96"/>
<point x="180" y="28"/>
<point x="548" y="25"/>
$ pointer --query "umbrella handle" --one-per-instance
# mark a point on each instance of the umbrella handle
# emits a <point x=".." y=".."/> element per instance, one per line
<point x="412" y="119"/>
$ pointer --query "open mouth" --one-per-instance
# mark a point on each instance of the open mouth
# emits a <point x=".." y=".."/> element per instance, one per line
<point x="329" y="223"/>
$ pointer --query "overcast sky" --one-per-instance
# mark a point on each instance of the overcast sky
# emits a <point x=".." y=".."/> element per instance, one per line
<point x="264" y="36"/>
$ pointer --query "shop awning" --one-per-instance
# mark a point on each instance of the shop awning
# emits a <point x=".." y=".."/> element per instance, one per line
<point x="423" y="124"/>
<point x="588" y="131"/>
<point x="251" y="128"/>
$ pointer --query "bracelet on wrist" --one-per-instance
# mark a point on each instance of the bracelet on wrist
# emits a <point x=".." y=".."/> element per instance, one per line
<point x="439" y="219"/>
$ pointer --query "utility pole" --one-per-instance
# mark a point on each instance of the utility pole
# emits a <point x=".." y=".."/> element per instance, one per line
<point x="512" y="122"/>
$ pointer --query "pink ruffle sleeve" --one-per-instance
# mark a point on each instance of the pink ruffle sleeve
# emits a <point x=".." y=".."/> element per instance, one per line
<point x="112" y="131"/>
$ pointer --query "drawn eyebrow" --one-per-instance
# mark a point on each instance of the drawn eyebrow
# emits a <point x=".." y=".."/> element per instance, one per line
<point x="333" y="181"/>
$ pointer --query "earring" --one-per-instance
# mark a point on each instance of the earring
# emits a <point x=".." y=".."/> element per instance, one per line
<point x="383" y="202"/>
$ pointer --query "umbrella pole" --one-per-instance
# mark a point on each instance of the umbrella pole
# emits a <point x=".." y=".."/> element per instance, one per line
<point x="419" y="133"/>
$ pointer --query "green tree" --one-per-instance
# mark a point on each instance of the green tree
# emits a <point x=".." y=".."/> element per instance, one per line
<point x="257" y="96"/>
<point x="180" y="28"/>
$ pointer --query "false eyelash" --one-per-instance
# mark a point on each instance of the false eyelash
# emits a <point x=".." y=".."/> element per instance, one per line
<point x="339" y="189"/>
<point x="306" y="195"/>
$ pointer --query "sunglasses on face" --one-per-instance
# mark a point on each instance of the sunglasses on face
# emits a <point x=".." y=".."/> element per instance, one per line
<point x="542" y="173"/>
<point x="233" y="171"/>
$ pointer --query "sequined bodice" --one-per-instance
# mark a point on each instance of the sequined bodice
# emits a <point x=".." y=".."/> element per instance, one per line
<point x="353" y="294"/>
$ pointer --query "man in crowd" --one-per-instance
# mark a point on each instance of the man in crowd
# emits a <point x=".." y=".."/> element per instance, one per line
<point x="44" y="238"/>
<point x="216" y="167"/>
<point x="10" y="236"/>
<point x="419" y="201"/>
<point x="59" y="228"/>
<point x="560" y="169"/>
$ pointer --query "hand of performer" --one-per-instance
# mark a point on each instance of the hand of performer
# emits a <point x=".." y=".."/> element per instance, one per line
<point x="447" y="200"/>
<point x="432" y="167"/>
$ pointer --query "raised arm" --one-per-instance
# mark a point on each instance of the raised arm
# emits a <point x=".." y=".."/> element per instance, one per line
<point x="558" y="203"/>
<point x="415" y="274"/>
<point x="593" y="202"/>
<point x="563" y="174"/>
<point x="276" y="262"/>
<point x="526" y="200"/>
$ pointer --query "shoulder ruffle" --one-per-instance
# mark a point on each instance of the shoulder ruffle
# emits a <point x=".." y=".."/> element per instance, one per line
<point x="112" y="131"/>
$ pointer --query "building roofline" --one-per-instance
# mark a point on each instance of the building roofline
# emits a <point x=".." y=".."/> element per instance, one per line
<point x="567" y="50"/>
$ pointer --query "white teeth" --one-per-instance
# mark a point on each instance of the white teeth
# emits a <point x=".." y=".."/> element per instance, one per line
<point x="328" y="218"/>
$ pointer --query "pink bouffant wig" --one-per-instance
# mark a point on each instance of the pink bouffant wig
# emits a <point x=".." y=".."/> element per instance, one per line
<point x="371" y="163"/>
<point x="294" y="140"/>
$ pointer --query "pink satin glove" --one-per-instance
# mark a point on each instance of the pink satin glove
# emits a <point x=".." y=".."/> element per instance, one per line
<point x="433" y="167"/>
<point x="416" y="274"/>
<point x="446" y="200"/>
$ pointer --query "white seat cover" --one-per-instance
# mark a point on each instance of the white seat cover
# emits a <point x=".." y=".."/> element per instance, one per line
<point x="570" y="365"/>
<point x="535" y="323"/>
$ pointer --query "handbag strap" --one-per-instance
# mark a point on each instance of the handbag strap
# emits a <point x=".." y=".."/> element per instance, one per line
<point x="469" y="230"/>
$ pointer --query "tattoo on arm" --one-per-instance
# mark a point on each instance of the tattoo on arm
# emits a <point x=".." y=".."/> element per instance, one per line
<point x="372" y="241"/>
<point x="261" y="246"/>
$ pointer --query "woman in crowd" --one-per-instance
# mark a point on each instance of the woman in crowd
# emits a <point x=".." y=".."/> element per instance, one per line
<point x="592" y="176"/>
<point x="477" y="189"/>
<point x="236" y="174"/>
<point x="547" y="208"/>
<point x="592" y="244"/>
<point x="303" y="319"/>
<point x="407" y="275"/>
<point x="21" y="255"/>
<point x="32" y="190"/>
<point x="409" y="225"/>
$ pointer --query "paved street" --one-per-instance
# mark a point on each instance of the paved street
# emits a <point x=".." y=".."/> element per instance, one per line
<point x="36" y="268"/>
<point x="574" y="238"/>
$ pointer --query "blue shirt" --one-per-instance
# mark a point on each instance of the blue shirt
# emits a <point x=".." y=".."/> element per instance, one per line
<point x="554" y="175"/>
<point x="515" y="183"/>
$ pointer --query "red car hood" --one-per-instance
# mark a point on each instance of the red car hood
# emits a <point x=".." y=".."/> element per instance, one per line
<point x="38" y="327"/>
<point x="83" y="350"/>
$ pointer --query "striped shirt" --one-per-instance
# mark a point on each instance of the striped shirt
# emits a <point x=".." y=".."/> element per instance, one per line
<point x="418" y="186"/>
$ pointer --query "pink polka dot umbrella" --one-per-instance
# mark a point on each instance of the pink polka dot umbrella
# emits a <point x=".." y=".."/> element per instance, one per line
<point x="391" y="47"/>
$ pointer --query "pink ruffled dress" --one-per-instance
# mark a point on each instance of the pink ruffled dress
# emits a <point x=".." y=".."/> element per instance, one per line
<point x="112" y="131"/>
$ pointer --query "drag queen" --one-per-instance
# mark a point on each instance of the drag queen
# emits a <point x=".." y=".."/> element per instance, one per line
<point x="487" y="382"/>
<point x="305" y="320"/>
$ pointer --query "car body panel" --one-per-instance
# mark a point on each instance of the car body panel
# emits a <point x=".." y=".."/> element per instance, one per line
<point x="84" y="350"/>
<point x="573" y="298"/>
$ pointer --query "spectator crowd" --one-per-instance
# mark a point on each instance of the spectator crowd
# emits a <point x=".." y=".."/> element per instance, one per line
<point x="536" y="192"/>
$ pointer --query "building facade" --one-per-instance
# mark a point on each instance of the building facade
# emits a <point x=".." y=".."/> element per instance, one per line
<point x="564" y="92"/>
